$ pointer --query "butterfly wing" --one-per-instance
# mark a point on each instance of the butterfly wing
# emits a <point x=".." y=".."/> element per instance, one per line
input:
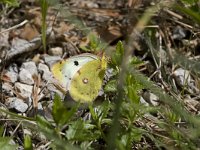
<point x="87" y="82"/>
<point x="64" y="70"/>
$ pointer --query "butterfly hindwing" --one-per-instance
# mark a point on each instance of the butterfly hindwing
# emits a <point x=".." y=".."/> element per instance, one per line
<point x="87" y="82"/>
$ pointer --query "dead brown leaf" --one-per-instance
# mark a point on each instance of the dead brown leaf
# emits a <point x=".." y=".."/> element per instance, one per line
<point x="63" y="28"/>
<point x="29" y="32"/>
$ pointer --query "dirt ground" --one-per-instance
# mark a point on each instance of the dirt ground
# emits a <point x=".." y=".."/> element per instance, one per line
<point x="168" y="45"/>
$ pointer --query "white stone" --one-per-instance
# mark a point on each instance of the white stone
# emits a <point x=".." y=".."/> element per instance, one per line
<point x="31" y="67"/>
<point x="17" y="104"/>
<point x="182" y="77"/>
<point x="55" y="51"/>
<point x="142" y="101"/>
<point x="8" y="89"/>
<point x="13" y="68"/>
<point x="151" y="98"/>
<point x="44" y="69"/>
<point x="24" y="89"/>
<point x="50" y="60"/>
<point x="25" y="77"/>
<point x="13" y="76"/>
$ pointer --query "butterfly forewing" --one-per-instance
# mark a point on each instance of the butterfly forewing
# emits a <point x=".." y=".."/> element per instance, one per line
<point x="65" y="70"/>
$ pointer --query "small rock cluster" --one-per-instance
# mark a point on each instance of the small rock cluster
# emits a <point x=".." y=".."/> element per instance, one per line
<point x="23" y="86"/>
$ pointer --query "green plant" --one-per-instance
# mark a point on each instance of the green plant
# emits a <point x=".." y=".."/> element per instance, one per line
<point x="95" y="44"/>
<point x="121" y="121"/>
<point x="13" y="3"/>
<point x="28" y="143"/>
<point x="44" y="7"/>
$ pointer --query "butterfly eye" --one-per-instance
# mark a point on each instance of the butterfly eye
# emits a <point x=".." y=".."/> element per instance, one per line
<point x="76" y="63"/>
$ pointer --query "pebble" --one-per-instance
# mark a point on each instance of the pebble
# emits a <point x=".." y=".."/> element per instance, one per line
<point x="29" y="101"/>
<point x="17" y="43"/>
<point x="151" y="98"/>
<point x="109" y="73"/>
<point x="178" y="33"/>
<point x="40" y="106"/>
<point x="182" y="77"/>
<point x="12" y="73"/>
<point x="142" y="101"/>
<point x="48" y="110"/>
<point x="55" y="51"/>
<point x="17" y="104"/>
<point x="54" y="90"/>
<point x="50" y="60"/>
<point x="25" y="77"/>
<point x="40" y="110"/>
<point x="8" y="89"/>
<point x="44" y="69"/>
<point x="12" y="76"/>
<point x="4" y="40"/>
<point x="31" y="67"/>
<point x="13" y="68"/>
<point x="24" y="89"/>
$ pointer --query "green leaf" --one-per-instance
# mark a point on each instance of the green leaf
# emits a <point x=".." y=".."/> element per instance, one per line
<point x="1" y="130"/>
<point x="117" y="56"/>
<point x="190" y="2"/>
<point x="13" y="3"/>
<point x="132" y="88"/>
<point x="99" y="113"/>
<point x="128" y="111"/>
<point x="102" y="110"/>
<point x="60" y="113"/>
<point x="136" y="62"/>
<point x="45" y="126"/>
<point x="95" y="43"/>
<point x="82" y="131"/>
<point x="52" y="134"/>
<point x="191" y="13"/>
<point x="44" y="7"/>
<point x="85" y="48"/>
<point x="127" y="138"/>
<point x="27" y="143"/>
<point x="111" y="86"/>
<point x="86" y="145"/>
<point x="5" y="144"/>
<point x="120" y="48"/>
